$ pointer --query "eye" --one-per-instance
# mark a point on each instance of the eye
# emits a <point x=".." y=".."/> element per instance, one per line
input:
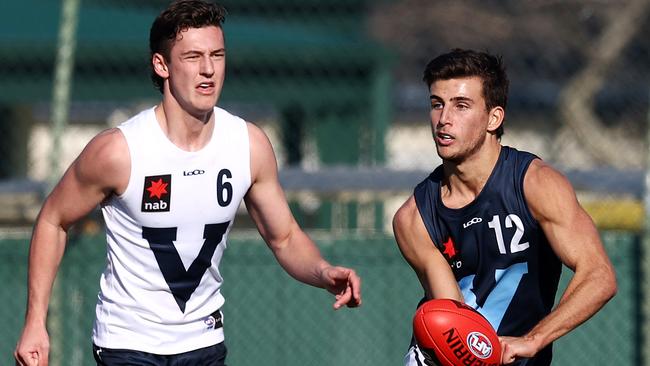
<point x="218" y="54"/>
<point x="436" y="105"/>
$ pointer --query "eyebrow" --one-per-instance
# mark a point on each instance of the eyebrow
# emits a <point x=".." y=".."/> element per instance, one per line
<point x="191" y="52"/>
<point x="199" y="52"/>
<point x="454" y="99"/>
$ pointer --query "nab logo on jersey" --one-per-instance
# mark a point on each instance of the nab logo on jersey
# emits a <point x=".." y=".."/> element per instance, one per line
<point x="157" y="193"/>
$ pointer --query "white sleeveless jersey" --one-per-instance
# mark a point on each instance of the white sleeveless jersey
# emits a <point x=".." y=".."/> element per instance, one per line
<point x="166" y="235"/>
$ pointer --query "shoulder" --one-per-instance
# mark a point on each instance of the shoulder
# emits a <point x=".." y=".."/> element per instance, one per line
<point x="260" y="144"/>
<point x="108" y="146"/>
<point x="517" y="160"/>
<point x="228" y="119"/>
<point x="257" y="135"/>
<point x="407" y="214"/>
<point x="542" y="176"/>
<point x="262" y="157"/>
<point x="427" y="191"/>
<point x="520" y="154"/>
<point x="105" y="159"/>
<point x="142" y="121"/>
<point x="547" y="190"/>
<point x="409" y="225"/>
<point x="433" y="180"/>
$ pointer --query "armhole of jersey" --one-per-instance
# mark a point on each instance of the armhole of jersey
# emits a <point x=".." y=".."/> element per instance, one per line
<point x="247" y="140"/>
<point x="131" y="167"/>
<point x="424" y="202"/>
<point x="524" y="170"/>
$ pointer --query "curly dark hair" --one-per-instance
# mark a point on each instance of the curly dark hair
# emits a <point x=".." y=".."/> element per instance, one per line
<point x="467" y="63"/>
<point x="179" y="16"/>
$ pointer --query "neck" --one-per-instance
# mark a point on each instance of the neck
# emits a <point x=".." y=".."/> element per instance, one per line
<point x="190" y="132"/>
<point x="468" y="177"/>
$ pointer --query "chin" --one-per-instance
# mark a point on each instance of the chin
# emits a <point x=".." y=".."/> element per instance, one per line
<point x="205" y="106"/>
<point x="448" y="155"/>
<point x="443" y="152"/>
<point x="200" y="112"/>
<point x="205" y="101"/>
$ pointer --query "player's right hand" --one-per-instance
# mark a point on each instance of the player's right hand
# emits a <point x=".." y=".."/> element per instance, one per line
<point x="345" y="284"/>
<point x="33" y="347"/>
<point x="515" y="348"/>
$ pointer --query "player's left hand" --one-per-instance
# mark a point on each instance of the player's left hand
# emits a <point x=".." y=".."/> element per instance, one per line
<point x="514" y="348"/>
<point x="345" y="284"/>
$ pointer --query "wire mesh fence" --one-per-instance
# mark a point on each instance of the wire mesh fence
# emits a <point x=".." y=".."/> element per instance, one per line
<point x="336" y="85"/>
<point x="271" y="319"/>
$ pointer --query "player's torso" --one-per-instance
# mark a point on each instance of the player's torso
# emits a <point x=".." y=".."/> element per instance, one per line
<point x="498" y="252"/>
<point x="167" y="232"/>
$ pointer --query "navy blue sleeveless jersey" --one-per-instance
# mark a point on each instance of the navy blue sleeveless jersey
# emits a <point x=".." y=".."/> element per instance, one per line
<point x="498" y="252"/>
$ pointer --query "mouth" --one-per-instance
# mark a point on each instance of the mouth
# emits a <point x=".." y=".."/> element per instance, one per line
<point x="444" y="138"/>
<point x="206" y="86"/>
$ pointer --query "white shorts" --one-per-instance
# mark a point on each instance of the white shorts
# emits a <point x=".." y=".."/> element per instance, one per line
<point x="415" y="357"/>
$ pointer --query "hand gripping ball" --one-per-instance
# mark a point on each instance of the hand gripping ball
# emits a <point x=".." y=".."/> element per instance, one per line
<point x="454" y="334"/>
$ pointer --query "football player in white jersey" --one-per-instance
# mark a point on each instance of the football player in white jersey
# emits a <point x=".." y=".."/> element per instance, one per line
<point x="188" y="62"/>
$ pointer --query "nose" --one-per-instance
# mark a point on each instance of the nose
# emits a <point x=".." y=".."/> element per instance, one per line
<point x="207" y="68"/>
<point x="440" y="117"/>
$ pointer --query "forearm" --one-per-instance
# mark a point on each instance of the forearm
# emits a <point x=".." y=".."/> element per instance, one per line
<point x="584" y="296"/>
<point x="46" y="250"/>
<point x="441" y="282"/>
<point x="300" y="258"/>
<point x="420" y="253"/>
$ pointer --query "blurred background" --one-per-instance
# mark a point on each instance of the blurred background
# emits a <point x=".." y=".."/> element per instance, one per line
<point x="336" y="84"/>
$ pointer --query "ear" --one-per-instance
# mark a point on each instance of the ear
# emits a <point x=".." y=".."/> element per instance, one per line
<point x="160" y="65"/>
<point x="496" y="116"/>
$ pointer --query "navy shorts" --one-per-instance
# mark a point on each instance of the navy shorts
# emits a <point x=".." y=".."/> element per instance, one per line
<point x="208" y="356"/>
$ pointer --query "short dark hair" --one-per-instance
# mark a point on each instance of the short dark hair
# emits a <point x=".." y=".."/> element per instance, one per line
<point x="467" y="63"/>
<point x="179" y="16"/>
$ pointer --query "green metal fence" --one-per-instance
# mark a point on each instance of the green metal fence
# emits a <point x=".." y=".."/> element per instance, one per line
<point x="270" y="319"/>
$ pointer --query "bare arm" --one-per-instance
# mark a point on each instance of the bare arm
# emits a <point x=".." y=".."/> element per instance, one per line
<point x="294" y="250"/>
<point x="430" y="266"/>
<point x="574" y="238"/>
<point x="99" y="171"/>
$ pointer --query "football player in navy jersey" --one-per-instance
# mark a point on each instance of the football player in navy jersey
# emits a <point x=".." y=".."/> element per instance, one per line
<point x="152" y="308"/>
<point x="492" y="226"/>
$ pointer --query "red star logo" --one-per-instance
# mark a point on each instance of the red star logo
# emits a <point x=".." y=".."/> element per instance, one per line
<point x="157" y="189"/>
<point x="450" y="250"/>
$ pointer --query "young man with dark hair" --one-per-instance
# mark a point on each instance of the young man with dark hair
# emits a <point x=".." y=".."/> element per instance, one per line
<point x="492" y="225"/>
<point x="169" y="182"/>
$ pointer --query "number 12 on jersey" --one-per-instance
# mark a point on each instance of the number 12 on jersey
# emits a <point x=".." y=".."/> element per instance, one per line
<point x="515" y="245"/>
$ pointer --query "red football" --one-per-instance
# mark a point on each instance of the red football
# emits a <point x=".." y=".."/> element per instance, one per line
<point x="456" y="334"/>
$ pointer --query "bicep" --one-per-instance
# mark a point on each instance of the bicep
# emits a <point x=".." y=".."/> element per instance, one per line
<point x="427" y="261"/>
<point x="269" y="210"/>
<point x="101" y="169"/>
<point x="567" y="226"/>
<point x="265" y="199"/>
<point x="411" y="236"/>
